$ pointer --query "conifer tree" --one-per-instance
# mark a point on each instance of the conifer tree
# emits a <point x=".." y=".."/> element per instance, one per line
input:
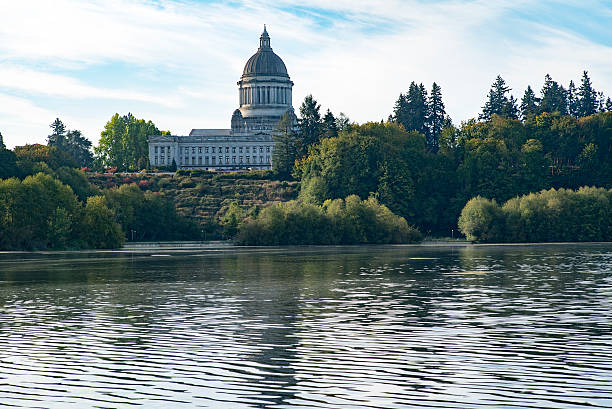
<point x="554" y="97"/>
<point x="330" y="128"/>
<point x="529" y="103"/>
<point x="285" y="147"/>
<point x="310" y="123"/>
<point x="573" y="107"/>
<point x="587" y="96"/>
<point x="498" y="103"/>
<point x="58" y="135"/>
<point x="411" y="109"/>
<point x="3" y="146"/>
<point x="435" y="118"/>
<point x="609" y="105"/>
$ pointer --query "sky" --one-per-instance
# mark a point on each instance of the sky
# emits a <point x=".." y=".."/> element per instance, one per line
<point x="176" y="62"/>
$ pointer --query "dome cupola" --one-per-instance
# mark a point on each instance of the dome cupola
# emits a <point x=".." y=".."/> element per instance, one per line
<point x="265" y="61"/>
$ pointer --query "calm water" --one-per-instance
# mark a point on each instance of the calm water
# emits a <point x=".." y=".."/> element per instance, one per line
<point x="317" y="327"/>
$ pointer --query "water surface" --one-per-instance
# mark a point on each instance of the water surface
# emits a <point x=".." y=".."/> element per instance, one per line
<point x="308" y="327"/>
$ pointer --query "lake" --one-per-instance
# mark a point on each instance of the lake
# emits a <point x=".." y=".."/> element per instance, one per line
<point x="308" y="327"/>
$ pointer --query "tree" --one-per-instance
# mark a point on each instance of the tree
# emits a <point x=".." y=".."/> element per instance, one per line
<point x="573" y="105"/>
<point x="435" y="118"/>
<point x="554" y="97"/>
<point x="529" y="104"/>
<point x="342" y="122"/>
<point x="71" y="142"/>
<point x="411" y="109"/>
<point x="498" y="102"/>
<point x="587" y="97"/>
<point x="99" y="228"/>
<point x="285" y="149"/>
<point x="124" y="142"/>
<point x="3" y="146"/>
<point x="609" y="105"/>
<point x="58" y="136"/>
<point x="309" y="123"/>
<point x="329" y="126"/>
<point x="481" y="220"/>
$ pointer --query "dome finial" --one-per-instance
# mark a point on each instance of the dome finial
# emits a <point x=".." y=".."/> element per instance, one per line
<point x="264" y="40"/>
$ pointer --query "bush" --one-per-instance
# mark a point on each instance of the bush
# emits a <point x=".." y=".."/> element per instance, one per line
<point x="348" y="221"/>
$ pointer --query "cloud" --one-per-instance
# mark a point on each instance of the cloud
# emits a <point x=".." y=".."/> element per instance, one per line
<point x="176" y="62"/>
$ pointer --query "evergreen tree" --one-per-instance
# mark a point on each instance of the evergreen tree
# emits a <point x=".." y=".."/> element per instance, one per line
<point x="310" y="124"/>
<point x="609" y="105"/>
<point x="79" y="148"/>
<point x="587" y="97"/>
<point x="573" y="107"/>
<point x="330" y="128"/>
<point x="411" y="109"/>
<point x="554" y="97"/>
<point x="285" y="149"/>
<point x="436" y="118"/>
<point x="529" y="103"/>
<point x="58" y="135"/>
<point x="342" y="122"/>
<point x="3" y="146"/>
<point x="601" y="102"/>
<point x="498" y="103"/>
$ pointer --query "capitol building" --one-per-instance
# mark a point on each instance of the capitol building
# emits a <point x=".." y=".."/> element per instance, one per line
<point x="264" y="96"/>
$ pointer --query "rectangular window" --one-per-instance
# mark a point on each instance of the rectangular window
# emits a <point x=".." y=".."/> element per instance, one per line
<point x="247" y="149"/>
<point x="227" y="159"/>
<point x="199" y="160"/>
<point x="214" y="159"/>
<point x="261" y="149"/>
<point x="240" y="149"/>
<point x="267" y="149"/>
<point x="233" y="159"/>
<point x="193" y="149"/>
<point x="199" y="149"/>
<point x="206" y="149"/>
<point x="186" y="160"/>
<point x="168" y="150"/>
<point x="261" y="159"/>
<point x="163" y="159"/>
<point x="206" y="160"/>
<point x="233" y="149"/>
<point x="156" y="160"/>
<point x="163" y="149"/>
<point x="220" y="149"/>
<point x="156" y="149"/>
<point x="227" y="149"/>
<point x="213" y="149"/>
<point x="254" y="159"/>
<point x="248" y="159"/>
<point x="240" y="159"/>
<point x="267" y="159"/>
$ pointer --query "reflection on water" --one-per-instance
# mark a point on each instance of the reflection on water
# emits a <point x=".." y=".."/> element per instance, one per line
<point x="312" y="327"/>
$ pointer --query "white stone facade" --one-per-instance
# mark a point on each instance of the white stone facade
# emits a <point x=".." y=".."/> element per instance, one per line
<point x="264" y="95"/>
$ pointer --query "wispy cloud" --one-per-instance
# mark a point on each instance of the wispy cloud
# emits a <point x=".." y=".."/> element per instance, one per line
<point x="177" y="61"/>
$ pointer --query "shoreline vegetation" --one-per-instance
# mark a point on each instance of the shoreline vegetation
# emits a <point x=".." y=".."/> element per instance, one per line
<point x="538" y="170"/>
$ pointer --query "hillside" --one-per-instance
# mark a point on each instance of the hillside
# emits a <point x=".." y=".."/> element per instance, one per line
<point x="204" y="196"/>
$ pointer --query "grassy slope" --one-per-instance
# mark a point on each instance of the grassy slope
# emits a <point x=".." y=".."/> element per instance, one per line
<point x="205" y="196"/>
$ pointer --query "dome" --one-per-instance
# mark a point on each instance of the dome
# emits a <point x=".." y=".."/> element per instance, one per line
<point x="264" y="61"/>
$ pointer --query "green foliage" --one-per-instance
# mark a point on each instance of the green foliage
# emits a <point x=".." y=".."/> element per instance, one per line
<point x="40" y="213"/>
<point x="481" y="220"/>
<point x="411" y="109"/>
<point x="29" y="155"/>
<point x="124" y="143"/>
<point x="310" y="124"/>
<point x="285" y="148"/>
<point x="498" y="103"/>
<point x="148" y="216"/>
<point x="99" y="228"/>
<point x="71" y="142"/>
<point x="232" y="219"/>
<point x="349" y="221"/>
<point x="550" y="215"/>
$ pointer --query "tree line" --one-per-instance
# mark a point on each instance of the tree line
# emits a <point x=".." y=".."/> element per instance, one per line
<point x="550" y="215"/>
<point x="338" y="221"/>
<point x="47" y="202"/>
<point x="424" y="168"/>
